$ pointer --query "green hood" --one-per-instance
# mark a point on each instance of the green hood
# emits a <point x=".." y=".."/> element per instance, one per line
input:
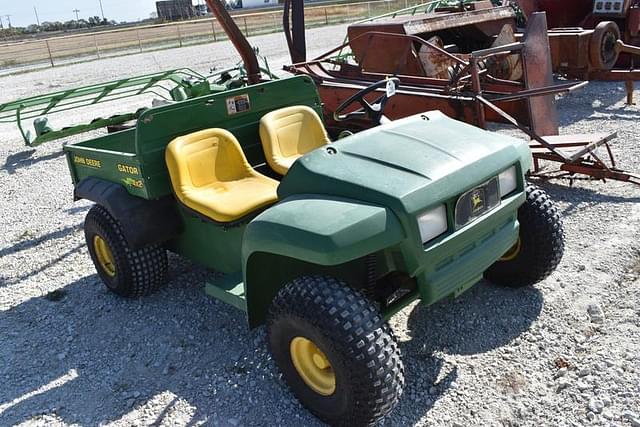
<point x="408" y="164"/>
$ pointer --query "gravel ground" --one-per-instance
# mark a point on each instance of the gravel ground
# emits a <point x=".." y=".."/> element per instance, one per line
<point x="564" y="353"/>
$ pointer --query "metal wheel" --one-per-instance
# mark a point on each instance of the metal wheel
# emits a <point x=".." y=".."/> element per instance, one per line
<point x="104" y="256"/>
<point x="603" y="52"/>
<point x="313" y="366"/>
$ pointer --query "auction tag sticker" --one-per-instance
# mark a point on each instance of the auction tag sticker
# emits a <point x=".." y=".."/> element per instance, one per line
<point x="238" y="104"/>
<point x="391" y="88"/>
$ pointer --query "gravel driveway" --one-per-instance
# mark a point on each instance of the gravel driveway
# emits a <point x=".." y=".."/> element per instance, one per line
<point x="565" y="353"/>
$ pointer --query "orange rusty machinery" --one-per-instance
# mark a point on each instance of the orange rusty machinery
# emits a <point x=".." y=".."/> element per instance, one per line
<point x="593" y="39"/>
<point x="465" y="60"/>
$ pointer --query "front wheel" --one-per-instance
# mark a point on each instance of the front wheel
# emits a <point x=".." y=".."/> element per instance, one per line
<point x="540" y="244"/>
<point x="336" y="353"/>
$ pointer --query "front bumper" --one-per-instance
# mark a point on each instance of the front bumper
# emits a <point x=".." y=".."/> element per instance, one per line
<point x="457" y="262"/>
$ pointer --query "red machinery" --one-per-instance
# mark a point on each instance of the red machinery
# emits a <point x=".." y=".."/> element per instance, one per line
<point x="466" y="62"/>
<point x="593" y="39"/>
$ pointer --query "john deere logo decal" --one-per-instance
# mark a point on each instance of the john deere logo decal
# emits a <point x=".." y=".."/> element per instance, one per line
<point x="476" y="201"/>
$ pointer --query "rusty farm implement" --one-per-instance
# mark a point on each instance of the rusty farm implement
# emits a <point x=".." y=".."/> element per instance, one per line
<point x="470" y="63"/>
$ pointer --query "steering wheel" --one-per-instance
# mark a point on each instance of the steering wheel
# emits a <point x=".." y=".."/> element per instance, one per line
<point x="374" y="111"/>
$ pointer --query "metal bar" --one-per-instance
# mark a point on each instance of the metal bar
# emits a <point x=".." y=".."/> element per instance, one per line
<point x="592" y="146"/>
<point x="623" y="47"/>
<point x="95" y="43"/>
<point x="528" y="93"/>
<point x="477" y="90"/>
<point x="239" y="41"/>
<point x="139" y="40"/>
<point x="49" y="50"/>
<point x="507" y="48"/>
<point x="530" y="133"/>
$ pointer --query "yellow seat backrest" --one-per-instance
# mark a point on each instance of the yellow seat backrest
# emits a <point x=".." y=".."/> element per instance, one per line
<point x="289" y="133"/>
<point x="210" y="174"/>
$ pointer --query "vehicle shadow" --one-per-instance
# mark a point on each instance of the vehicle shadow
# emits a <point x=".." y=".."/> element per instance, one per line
<point x="579" y="198"/>
<point x="25" y="158"/>
<point x="86" y="356"/>
<point x="471" y="324"/>
<point x="28" y="241"/>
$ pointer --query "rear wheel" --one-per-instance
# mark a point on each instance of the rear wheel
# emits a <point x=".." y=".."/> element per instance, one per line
<point x="337" y="354"/>
<point x="603" y="51"/>
<point x="540" y="244"/>
<point x="125" y="271"/>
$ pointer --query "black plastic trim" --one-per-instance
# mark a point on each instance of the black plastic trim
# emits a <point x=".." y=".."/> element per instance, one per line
<point x="144" y="222"/>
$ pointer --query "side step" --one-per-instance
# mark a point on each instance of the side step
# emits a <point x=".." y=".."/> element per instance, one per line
<point x="228" y="288"/>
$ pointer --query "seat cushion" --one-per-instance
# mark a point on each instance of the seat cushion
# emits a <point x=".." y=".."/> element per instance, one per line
<point x="289" y="133"/>
<point x="232" y="200"/>
<point x="210" y="174"/>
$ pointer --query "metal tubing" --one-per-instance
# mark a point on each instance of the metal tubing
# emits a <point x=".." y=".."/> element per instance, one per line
<point x="49" y="50"/>
<point x="239" y="41"/>
<point x="626" y="48"/>
<point x="507" y="48"/>
<point x="294" y="29"/>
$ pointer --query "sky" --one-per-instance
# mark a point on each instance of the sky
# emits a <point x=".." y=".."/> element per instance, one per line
<point x="22" y="13"/>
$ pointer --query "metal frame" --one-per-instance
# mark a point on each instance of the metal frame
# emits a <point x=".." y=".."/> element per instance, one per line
<point x="472" y="94"/>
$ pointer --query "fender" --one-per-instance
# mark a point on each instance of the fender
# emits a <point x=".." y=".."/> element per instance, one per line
<point x="144" y="222"/>
<point x="326" y="235"/>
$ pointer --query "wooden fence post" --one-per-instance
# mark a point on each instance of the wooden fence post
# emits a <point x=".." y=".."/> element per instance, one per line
<point x="326" y="17"/>
<point x="213" y="27"/>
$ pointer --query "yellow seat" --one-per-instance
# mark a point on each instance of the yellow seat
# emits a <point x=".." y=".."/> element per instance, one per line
<point x="289" y="133"/>
<point x="210" y="174"/>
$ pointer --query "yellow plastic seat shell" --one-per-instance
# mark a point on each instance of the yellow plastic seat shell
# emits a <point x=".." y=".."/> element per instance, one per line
<point x="289" y="133"/>
<point x="210" y="174"/>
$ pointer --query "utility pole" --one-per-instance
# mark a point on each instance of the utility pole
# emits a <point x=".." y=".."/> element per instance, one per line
<point x="76" y="11"/>
<point x="37" y="18"/>
<point x="101" y="9"/>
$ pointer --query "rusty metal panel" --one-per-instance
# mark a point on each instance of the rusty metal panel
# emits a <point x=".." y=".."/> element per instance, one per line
<point x="400" y="56"/>
<point x="359" y="45"/>
<point x="497" y="17"/>
<point x="569" y="50"/>
<point x="633" y="22"/>
<point x="538" y="73"/>
<point x="560" y="13"/>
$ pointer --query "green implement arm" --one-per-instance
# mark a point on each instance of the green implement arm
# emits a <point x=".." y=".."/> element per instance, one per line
<point x="167" y="86"/>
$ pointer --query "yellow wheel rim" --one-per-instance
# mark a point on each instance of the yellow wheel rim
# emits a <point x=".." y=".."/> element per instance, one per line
<point x="512" y="253"/>
<point x="104" y="256"/>
<point x="313" y="366"/>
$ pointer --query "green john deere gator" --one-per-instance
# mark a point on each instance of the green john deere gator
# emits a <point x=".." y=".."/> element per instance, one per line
<point x="321" y="241"/>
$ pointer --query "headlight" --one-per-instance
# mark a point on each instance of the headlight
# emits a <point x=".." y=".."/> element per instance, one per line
<point x="508" y="181"/>
<point x="432" y="223"/>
